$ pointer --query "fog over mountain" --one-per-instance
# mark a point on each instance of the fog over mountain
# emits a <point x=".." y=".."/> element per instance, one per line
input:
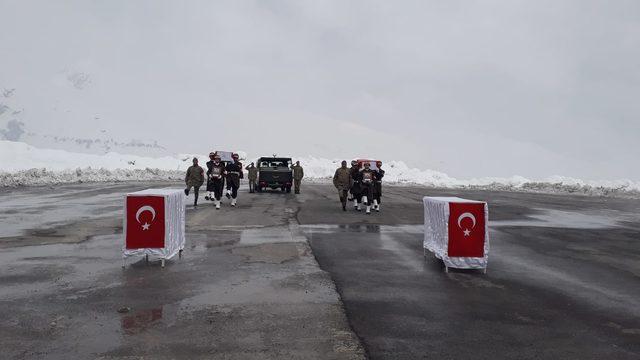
<point x="482" y="88"/>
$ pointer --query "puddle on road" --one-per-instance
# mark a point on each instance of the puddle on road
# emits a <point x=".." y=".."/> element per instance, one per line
<point x="397" y="240"/>
<point x="82" y="285"/>
<point x="265" y="235"/>
<point x="545" y="218"/>
<point x="140" y="320"/>
<point x="363" y="228"/>
<point x="274" y="253"/>
<point x="69" y="266"/>
<point x="408" y="256"/>
<point x="17" y="216"/>
<point x="265" y="283"/>
<point x="560" y="219"/>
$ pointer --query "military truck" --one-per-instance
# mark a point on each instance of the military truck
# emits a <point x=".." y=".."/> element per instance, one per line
<point x="273" y="173"/>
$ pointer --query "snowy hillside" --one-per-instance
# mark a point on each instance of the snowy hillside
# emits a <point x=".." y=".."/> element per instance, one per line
<point x="17" y="112"/>
<point x="23" y="164"/>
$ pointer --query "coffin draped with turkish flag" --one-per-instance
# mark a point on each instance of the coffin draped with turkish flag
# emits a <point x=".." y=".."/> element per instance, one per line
<point x="456" y="231"/>
<point x="154" y="222"/>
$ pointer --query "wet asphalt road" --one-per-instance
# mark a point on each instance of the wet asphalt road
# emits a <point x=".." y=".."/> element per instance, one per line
<point x="562" y="280"/>
<point x="247" y="286"/>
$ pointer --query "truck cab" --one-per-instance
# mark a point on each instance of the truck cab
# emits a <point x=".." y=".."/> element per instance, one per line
<point x="274" y="173"/>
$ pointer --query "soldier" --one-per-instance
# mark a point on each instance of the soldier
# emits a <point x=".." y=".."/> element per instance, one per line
<point x="367" y="178"/>
<point x="209" y="195"/>
<point x="215" y="179"/>
<point x="355" y="187"/>
<point x="194" y="179"/>
<point x="235" y="160"/>
<point x="377" y="186"/>
<point x="342" y="181"/>
<point x="298" y="174"/>
<point x="253" y="177"/>
<point x="234" y="174"/>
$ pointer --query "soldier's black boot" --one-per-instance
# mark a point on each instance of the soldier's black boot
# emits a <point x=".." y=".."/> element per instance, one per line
<point x="186" y="192"/>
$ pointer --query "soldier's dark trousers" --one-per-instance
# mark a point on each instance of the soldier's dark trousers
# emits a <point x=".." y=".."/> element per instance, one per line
<point x="343" y="196"/>
<point x="367" y="190"/>
<point x="252" y="186"/>
<point x="296" y="185"/>
<point x="377" y="193"/>
<point x="218" y="187"/>
<point x="356" y="192"/>
<point x="234" y="189"/>
<point x="196" y="192"/>
<point x="229" y="184"/>
<point x="210" y="186"/>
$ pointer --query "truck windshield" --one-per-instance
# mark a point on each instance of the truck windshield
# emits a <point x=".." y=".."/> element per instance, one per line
<point x="275" y="163"/>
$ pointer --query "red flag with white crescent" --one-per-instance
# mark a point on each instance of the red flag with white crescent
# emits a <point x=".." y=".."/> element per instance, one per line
<point x="467" y="226"/>
<point x="145" y="222"/>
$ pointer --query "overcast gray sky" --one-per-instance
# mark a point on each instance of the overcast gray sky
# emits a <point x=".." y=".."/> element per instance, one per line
<point x="471" y="88"/>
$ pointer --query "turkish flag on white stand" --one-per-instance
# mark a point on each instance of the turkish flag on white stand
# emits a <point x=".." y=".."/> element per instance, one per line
<point x="145" y="222"/>
<point x="154" y="223"/>
<point x="456" y="231"/>
<point x="466" y="230"/>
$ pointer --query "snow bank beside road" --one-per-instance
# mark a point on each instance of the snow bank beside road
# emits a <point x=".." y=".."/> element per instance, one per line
<point x="397" y="172"/>
<point x="17" y="156"/>
<point x="22" y="164"/>
<point x="42" y="176"/>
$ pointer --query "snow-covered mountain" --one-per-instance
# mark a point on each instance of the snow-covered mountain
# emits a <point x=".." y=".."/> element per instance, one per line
<point x="436" y="86"/>
<point x="71" y="89"/>
<point x="23" y="164"/>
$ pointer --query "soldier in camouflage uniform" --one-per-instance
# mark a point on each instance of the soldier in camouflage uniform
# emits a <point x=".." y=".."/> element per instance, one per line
<point x="253" y="177"/>
<point x="342" y="181"/>
<point x="194" y="179"/>
<point x="298" y="174"/>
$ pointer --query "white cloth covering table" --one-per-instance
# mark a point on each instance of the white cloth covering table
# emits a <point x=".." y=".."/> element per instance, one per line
<point x="456" y="231"/>
<point x="154" y="224"/>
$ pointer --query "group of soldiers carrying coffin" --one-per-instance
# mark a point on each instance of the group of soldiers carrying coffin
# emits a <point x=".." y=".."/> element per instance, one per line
<point x="218" y="173"/>
<point x="363" y="183"/>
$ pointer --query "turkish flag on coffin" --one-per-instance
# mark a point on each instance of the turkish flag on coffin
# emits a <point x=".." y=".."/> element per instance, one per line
<point x="466" y="230"/>
<point x="145" y="222"/>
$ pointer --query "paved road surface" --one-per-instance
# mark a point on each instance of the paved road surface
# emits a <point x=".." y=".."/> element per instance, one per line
<point x="247" y="287"/>
<point x="562" y="281"/>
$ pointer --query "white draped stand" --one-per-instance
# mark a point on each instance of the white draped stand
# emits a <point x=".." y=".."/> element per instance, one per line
<point x="174" y="220"/>
<point x="436" y="233"/>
